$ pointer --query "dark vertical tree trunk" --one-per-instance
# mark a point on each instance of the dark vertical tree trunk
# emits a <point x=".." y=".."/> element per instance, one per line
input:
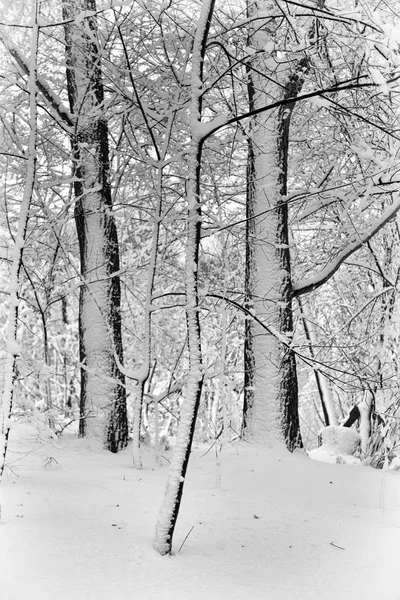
<point x="103" y="397"/>
<point x="288" y="393"/>
<point x="249" y="361"/>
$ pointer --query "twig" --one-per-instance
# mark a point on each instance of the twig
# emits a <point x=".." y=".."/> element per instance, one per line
<point x="213" y="444"/>
<point x="24" y="455"/>
<point x="59" y="432"/>
<point x="336" y="546"/>
<point x="49" y="461"/>
<point x="186" y="537"/>
<point x="7" y="466"/>
<point x="239" y="435"/>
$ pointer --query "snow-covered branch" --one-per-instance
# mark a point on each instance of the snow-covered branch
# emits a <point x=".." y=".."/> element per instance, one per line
<point x="208" y="129"/>
<point x="59" y="110"/>
<point x="307" y="285"/>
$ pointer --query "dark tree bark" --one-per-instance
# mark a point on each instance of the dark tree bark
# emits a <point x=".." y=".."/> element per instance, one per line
<point x="103" y="396"/>
<point x="271" y="389"/>
<point x="249" y="360"/>
<point x="352" y="417"/>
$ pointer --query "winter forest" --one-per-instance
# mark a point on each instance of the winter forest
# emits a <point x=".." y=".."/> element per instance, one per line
<point x="200" y="257"/>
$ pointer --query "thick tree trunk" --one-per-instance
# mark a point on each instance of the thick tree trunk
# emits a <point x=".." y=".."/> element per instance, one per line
<point x="271" y="394"/>
<point x="103" y="396"/>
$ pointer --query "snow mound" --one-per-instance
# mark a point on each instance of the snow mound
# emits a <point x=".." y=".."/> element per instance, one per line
<point x="255" y="524"/>
<point x="338" y="446"/>
<point x="395" y="464"/>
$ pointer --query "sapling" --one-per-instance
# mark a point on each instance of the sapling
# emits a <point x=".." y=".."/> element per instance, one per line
<point x="12" y="347"/>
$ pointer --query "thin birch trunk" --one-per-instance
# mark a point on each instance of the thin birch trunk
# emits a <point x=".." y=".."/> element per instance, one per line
<point x="103" y="412"/>
<point x="223" y="381"/>
<point x="169" y="510"/>
<point x="145" y="368"/>
<point x="322" y="383"/>
<point x="10" y="370"/>
<point x="222" y="399"/>
<point x="147" y="340"/>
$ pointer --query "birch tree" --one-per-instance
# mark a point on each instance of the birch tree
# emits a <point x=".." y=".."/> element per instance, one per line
<point x="103" y="394"/>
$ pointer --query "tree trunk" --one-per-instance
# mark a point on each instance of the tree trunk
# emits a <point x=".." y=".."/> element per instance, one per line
<point x="146" y="366"/>
<point x="176" y="477"/>
<point x="103" y="396"/>
<point x="324" y="390"/>
<point x="10" y="368"/>
<point x="271" y="392"/>
<point x="250" y="272"/>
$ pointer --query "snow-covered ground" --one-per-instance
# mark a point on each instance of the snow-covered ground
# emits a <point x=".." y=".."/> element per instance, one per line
<point x="78" y="523"/>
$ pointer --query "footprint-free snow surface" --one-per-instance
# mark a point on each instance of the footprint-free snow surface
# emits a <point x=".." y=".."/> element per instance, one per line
<point x="78" y="522"/>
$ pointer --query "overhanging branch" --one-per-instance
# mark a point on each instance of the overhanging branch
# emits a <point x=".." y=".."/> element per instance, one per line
<point x="303" y="287"/>
<point x="55" y="103"/>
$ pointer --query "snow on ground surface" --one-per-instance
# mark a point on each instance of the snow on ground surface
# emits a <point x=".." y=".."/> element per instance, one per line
<point x="279" y="527"/>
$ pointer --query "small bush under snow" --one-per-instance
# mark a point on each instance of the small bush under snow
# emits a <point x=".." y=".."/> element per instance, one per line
<point x="338" y="446"/>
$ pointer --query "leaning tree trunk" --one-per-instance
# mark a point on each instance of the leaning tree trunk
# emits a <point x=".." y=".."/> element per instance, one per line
<point x="271" y="392"/>
<point x="176" y="477"/>
<point x="103" y="411"/>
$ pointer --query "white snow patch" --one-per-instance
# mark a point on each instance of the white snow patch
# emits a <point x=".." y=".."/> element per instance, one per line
<point x="395" y="464"/>
<point x="338" y="446"/>
<point x="280" y="526"/>
<point x="13" y="348"/>
<point x="202" y="130"/>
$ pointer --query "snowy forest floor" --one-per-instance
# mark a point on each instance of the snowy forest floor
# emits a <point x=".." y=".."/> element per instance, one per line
<point x="78" y="523"/>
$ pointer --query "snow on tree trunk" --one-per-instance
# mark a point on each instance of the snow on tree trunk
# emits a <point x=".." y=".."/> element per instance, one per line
<point x="10" y="369"/>
<point x="176" y="477"/>
<point x="271" y="401"/>
<point x="103" y="395"/>
<point x="365" y="408"/>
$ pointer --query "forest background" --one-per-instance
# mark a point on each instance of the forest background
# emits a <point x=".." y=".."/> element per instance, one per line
<point x="198" y="223"/>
